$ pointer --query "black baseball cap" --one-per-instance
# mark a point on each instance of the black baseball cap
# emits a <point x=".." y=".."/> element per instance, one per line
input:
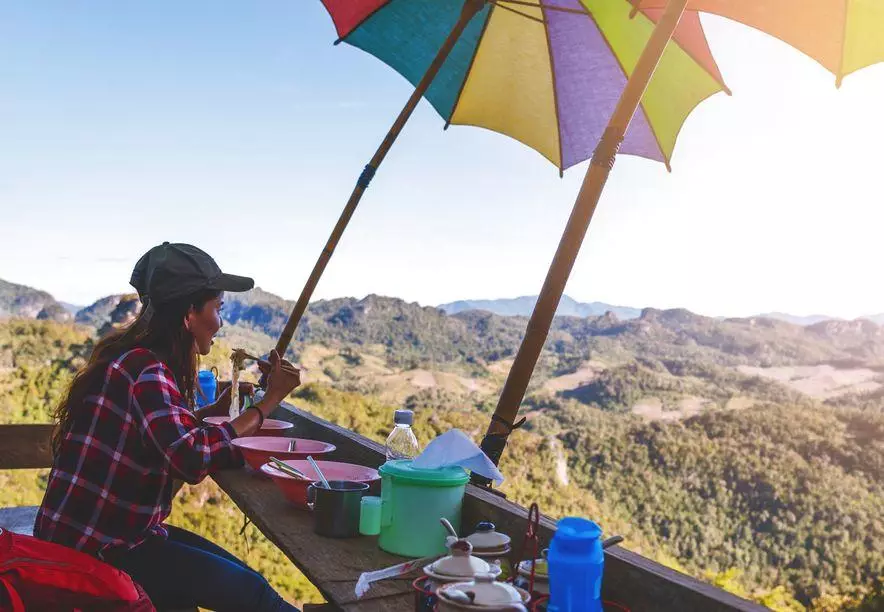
<point x="171" y="271"/>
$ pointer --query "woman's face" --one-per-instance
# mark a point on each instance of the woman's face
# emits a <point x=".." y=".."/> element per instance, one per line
<point x="205" y="323"/>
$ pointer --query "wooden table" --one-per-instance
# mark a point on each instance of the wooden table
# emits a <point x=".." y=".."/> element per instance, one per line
<point x="332" y="565"/>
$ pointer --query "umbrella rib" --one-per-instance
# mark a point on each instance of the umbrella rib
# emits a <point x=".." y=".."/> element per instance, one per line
<point x="626" y="74"/>
<point x="519" y="13"/>
<point x="839" y="77"/>
<point x="561" y="9"/>
<point x="362" y="21"/>
<point x="637" y="10"/>
<point x="552" y="74"/>
<point x="470" y="67"/>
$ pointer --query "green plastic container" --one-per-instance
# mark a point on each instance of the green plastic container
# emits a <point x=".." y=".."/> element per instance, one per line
<point x="413" y="501"/>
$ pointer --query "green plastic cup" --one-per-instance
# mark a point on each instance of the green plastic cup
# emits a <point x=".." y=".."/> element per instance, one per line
<point x="370" y="516"/>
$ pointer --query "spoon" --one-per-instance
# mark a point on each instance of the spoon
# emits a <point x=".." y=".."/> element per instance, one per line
<point x="287" y="469"/>
<point x="449" y="528"/>
<point x="460" y="596"/>
<point x="318" y="472"/>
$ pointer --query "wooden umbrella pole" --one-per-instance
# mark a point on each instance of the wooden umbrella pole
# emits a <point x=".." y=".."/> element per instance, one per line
<point x="503" y="421"/>
<point x="470" y="8"/>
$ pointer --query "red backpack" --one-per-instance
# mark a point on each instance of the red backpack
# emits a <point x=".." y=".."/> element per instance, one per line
<point x="37" y="576"/>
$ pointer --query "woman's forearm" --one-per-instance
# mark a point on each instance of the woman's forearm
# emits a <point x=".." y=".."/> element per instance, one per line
<point x="209" y="410"/>
<point x="249" y="421"/>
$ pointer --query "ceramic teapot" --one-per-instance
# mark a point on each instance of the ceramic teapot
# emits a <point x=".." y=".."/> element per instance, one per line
<point x="481" y="594"/>
<point x="488" y="542"/>
<point x="491" y="545"/>
<point x="541" y="574"/>
<point x="460" y="565"/>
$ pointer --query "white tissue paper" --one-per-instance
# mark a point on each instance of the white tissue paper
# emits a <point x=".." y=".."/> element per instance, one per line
<point x="455" y="448"/>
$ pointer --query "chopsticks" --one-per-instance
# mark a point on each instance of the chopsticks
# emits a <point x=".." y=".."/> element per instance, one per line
<point x="285" y="468"/>
<point x="258" y="360"/>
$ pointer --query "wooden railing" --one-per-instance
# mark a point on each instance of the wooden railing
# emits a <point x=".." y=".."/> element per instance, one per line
<point x="635" y="581"/>
<point x="25" y="447"/>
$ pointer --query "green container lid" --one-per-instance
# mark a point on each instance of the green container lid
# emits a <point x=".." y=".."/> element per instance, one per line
<point x="401" y="469"/>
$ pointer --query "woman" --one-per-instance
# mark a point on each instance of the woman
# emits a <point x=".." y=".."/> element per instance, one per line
<point x="126" y="429"/>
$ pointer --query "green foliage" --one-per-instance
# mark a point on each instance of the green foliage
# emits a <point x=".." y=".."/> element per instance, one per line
<point x="784" y="494"/>
<point x="37" y="362"/>
<point x="781" y="502"/>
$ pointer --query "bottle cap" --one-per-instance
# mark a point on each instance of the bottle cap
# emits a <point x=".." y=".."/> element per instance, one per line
<point x="205" y="375"/>
<point x="577" y="534"/>
<point x="403" y="417"/>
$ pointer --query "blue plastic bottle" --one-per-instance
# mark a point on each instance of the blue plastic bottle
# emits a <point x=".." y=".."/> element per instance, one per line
<point x="576" y="565"/>
<point x="208" y="388"/>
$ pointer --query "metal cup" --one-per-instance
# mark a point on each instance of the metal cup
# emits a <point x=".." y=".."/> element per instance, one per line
<point x="336" y="509"/>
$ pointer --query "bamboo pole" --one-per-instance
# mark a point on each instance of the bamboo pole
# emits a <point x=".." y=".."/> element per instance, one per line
<point x="503" y="420"/>
<point x="469" y="10"/>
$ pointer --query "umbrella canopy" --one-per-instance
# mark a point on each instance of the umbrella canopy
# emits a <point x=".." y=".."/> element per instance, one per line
<point x="548" y="75"/>
<point x="842" y="35"/>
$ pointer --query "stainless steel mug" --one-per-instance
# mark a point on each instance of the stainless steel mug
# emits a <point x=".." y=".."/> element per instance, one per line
<point x="336" y="509"/>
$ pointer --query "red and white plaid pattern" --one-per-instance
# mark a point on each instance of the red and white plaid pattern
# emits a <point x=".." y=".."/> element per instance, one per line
<point x="111" y="484"/>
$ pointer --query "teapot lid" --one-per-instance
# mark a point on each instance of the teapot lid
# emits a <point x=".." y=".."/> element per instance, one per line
<point x="483" y="592"/>
<point x="460" y="563"/>
<point x="486" y="538"/>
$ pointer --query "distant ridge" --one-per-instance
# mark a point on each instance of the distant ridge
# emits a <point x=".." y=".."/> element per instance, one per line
<point x="522" y="306"/>
<point x="797" y="319"/>
<point x="29" y="303"/>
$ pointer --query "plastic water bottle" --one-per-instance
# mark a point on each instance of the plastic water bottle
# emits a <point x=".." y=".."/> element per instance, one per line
<point x="576" y="565"/>
<point x="401" y="443"/>
<point x="208" y="388"/>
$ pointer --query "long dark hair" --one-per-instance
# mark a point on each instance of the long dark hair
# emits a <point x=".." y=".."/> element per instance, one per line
<point x="158" y="328"/>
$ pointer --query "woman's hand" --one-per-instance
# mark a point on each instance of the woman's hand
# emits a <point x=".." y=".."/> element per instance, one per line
<point x="221" y="406"/>
<point x="282" y="379"/>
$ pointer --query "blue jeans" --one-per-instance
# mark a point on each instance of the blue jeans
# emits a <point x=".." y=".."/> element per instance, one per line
<point x="187" y="571"/>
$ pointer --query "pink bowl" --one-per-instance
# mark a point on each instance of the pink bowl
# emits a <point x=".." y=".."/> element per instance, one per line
<point x="258" y="450"/>
<point x="295" y="489"/>
<point x="271" y="427"/>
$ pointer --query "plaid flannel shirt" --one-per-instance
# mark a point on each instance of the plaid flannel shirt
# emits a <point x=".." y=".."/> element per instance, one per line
<point x="111" y="483"/>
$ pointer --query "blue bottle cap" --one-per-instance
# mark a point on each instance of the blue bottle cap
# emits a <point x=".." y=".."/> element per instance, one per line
<point x="204" y="375"/>
<point x="577" y="534"/>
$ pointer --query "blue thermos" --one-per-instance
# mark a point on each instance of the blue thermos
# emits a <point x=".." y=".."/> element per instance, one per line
<point x="576" y="564"/>
<point x="208" y="388"/>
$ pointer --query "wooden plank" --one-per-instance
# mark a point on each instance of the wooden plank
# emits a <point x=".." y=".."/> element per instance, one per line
<point x="631" y="579"/>
<point x="25" y="446"/>
<point x="351" y="447"/>
<point x="20" y="519"/>
<point x="332" y="565"/>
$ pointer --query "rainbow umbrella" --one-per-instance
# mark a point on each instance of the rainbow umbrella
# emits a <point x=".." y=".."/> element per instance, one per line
<point x="546" y="75"/>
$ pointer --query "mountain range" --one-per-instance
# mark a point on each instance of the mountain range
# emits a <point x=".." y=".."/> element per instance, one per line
<point x="410" y="334"/>
<point x="263" y="309"/>
<point x="522" y="306"/>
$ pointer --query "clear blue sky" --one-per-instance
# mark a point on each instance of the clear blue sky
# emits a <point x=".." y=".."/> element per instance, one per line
<point x="238" y="126"/>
